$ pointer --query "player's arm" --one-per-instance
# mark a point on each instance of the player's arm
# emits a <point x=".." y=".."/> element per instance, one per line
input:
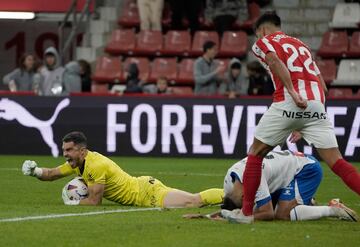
<point x="30" y="168"/>
<point x="279" y="69"/>
<point x="96" y="192"/>
<point x="264" y="212"/>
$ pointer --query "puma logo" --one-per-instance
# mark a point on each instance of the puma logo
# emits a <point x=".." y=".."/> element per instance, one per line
<point x="11" y="110"/>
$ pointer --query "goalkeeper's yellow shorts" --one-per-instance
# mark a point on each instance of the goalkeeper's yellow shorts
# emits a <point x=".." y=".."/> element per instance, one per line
<point x="152" y="192"/>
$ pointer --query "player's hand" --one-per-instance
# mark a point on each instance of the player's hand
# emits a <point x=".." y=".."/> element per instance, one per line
<point x="295" y="136"/>
<point x="299" y="101"/>
<point x="28" y="167"/>
<point x="67" y="200"/>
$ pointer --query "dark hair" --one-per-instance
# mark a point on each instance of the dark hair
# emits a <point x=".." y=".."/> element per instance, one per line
<point x="85" y="66"/>
<point x="256" y="67"/>
<point x="229" y="204"/>
<point x="268" y="17"/>
<point x="77" y="137"/>
<point x="22" y="60"/>
<point x="208" y="45"/>
<point x="235" y="65"/>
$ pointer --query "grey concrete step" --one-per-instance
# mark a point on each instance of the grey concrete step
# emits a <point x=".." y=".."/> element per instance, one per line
<point x="305" y="3"/>
<point x="305" y="14"/>
<point x="305" y="29"/>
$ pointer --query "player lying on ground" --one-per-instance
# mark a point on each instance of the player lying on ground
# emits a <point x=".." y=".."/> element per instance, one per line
<point x="289" y="181"/>
<point x="106" y="179"/>
<point x="298" y="105"/>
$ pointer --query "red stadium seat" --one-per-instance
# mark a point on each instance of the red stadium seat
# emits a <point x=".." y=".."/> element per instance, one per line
<point x="163" y="67"/>
<point x="129" y="15"/>
<point x="334" y="44"/>
<point x="177" y="43"/>
<point x="143" y="65"/>
<point x="357" y="95"/>
<point x="233" y="44"/>
<point x="99" y="87"/>
<point x="122" y="42"/>
<point x="108" y="69"/>
<point x="182" y="90"/>
<point x="340" y="93"/>
<point x="254" y="13"/>
<point x="354" y="50"/>
<point x="186" y="72"/>
<point x="200" y="38"/>
<point x="149" y="43"/>
<point x="327" y="68"/>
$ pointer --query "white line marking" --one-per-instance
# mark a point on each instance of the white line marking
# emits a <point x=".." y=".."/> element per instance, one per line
<point x="52" y="216"/>
<point x="147" y="173"/>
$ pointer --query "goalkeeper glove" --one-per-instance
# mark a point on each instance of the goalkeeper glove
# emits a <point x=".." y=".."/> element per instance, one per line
<point x="67" y="200"/>
<point x="29" y="168"/>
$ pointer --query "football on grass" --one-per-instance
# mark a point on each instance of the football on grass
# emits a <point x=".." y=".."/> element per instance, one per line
<point x="76" y="189"/>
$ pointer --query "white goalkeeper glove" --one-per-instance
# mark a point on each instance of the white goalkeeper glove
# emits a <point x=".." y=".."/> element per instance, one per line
<point x="29" y="168"/>
<point x="67" y="200"/>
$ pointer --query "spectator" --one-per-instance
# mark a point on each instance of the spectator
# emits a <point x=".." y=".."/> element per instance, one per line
<point x="207" y="72"/>
<point x="234" y="83"/>
<point x="150" y="12"/>
<point x="85" y="73"/>
<point x="133" y="82"/>
<point x="72" y="78"/>
<point x="22" y="78"/>
<point x="189" y="8"/>
<point x="49" y="78"/>
<point x="223" y="13"/>
<point x="161" y="87"/>
<point x="260" y="82"/>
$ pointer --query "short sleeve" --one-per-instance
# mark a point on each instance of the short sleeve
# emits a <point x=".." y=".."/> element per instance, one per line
<point x="317" y="71"/>
<point x="66" y="170"/>
<point x="262" y="47"/>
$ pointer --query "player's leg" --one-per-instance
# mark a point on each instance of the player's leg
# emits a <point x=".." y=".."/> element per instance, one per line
<point x="272" y="130"/>
<point x="320" y="133"/>
<point x="178" y="198"/>
<point x="299" y="192"/>
<point x="341" y="167"/>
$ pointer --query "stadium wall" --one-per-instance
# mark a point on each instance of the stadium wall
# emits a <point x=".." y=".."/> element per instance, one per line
<point x="153" y="126"/>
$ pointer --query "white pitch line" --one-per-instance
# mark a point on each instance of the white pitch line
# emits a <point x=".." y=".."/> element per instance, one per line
<point x="147" y="173"/>
<point x="53" y="216"/>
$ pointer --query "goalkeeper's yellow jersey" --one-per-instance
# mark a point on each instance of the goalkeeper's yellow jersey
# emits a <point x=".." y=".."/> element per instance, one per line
<point x="120" y="187"/>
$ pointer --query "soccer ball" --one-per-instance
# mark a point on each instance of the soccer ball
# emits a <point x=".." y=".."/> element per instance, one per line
<point x="76" y="189"/>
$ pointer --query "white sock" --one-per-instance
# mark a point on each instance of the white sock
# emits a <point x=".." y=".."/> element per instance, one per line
<point x="304" y="212"/>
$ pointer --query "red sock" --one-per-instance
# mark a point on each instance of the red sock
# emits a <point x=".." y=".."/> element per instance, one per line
<point x="348" y="174"/>
<point x="251" y="182"/>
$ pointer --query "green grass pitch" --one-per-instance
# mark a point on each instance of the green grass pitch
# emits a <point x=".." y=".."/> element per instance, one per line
<point x="22" y="196"/>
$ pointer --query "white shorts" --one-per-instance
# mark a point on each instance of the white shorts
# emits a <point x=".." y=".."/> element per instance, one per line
<point x="282" y="118"/>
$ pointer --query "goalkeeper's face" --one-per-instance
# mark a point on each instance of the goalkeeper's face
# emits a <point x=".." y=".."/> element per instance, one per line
<point x="74" y="154"/>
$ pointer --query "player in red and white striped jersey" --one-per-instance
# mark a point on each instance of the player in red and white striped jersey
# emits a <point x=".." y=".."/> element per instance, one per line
<point x="298" y="105"/>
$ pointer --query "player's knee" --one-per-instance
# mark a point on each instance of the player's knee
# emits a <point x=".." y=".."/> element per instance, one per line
<point x="282" y="216"/>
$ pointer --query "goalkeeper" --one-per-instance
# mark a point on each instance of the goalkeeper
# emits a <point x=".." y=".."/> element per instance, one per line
<point x="105" y="178"/>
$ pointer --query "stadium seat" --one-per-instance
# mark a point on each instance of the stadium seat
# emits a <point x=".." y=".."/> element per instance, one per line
<point x="327" y="68"/>
<point x="177" y="43"/>
<point x="108" y="69"/>
<point x="143" y="65"/>
<point x="346" y="15"/>
<point x="334" y="44"/>
<point x="340" y="93"/>
<point x="186" y="72"/>
<point x="200" y="38"/>
<point x="348" y="73"/>
<point x="99" y="87"/>
<point x="122" y="42"/>
<point x="149" y="43"/>
<point x="163" y="67"/>
<point x="182" y="90"/>
<point x="254" y="13"/>
<point x="129" y="15"/>
<point x="354" y="50"/>
<point x="233" y="44"/>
